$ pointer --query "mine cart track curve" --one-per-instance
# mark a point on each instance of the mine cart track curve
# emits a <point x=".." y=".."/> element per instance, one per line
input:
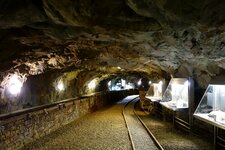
<point x="157" y="144"/>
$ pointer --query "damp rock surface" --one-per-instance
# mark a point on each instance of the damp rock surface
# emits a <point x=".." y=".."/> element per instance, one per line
<point x="170" y="36"/>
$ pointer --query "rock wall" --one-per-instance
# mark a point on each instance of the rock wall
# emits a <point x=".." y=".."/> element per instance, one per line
<point x="39" y="90"/>
<point x="22" y="127"/>
<point x="43" y="89"/>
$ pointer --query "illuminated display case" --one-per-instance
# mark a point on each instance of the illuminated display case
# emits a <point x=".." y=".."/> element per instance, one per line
<point x="155" y="91"/>
<point x="176" y="95"/>
<point x="177" y="101"/>
<point x="211" y="108"/>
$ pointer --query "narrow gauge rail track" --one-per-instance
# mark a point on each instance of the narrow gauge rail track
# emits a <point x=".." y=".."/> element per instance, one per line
<point x="152" y="140"/>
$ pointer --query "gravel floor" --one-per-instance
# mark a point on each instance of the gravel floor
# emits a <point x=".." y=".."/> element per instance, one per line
<point x="140" y="137"/>
<point x="170" y="138"/>
<point x="105" y="129"/>
<point x="102" y="130"/>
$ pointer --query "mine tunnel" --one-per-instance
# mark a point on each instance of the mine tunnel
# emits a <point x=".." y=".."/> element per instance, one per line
<point x="112" y="74"/>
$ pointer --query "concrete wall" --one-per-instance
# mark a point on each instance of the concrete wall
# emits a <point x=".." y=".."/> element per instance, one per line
<point x="22" y="127"/>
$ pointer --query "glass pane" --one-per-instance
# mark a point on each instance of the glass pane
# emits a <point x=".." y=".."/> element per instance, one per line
<point x="212" y="105"/>
<point x="155" y="91"/>
<point x="176" y="94"/>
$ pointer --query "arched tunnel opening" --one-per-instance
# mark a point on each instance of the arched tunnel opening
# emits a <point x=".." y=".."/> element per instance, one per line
<point x="20" y="91"/>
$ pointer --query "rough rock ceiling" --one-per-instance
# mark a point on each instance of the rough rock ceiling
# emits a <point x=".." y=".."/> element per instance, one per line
<point x="178" y="37"/>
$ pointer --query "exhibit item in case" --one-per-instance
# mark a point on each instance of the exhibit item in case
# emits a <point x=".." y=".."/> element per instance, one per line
<point x="154" y="92"/>
<point x="212" y="105"/>
<point x="176" y="95"/>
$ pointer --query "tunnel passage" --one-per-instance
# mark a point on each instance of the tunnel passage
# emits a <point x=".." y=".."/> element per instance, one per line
<point x="21" y="92"/>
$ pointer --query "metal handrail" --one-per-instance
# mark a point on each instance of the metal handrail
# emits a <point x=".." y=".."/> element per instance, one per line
<point x="36" y="108"/>
<point x="42" y="107"/>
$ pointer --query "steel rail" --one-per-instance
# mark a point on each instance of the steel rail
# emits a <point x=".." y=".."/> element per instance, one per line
<point x="144" y="126"/>
<point x="147" y="129"/>
<point x="125" y="120"/>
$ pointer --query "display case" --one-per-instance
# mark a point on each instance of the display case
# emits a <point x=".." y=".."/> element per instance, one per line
<point x="178" y="101"/>
<point x="155" y="91"/>
<point x="176" y="95"/>
<point x="211" y="108"/>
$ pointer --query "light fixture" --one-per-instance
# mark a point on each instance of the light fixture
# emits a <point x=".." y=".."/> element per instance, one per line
<point x="92" y="84"/>
<point x="139" y="82"/>
<point x="150" y="82"/>
<point x="123" y="82"/>
<point x="15" y="84"/>
<point x="60" y="86"/>
<point x="109" y="83"/>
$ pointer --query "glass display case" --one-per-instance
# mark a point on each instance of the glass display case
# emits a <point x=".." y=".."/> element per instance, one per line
<point x="176" y="95"/>
<point x="211" y="108"/>
<point x="177" y="102"/>
<point x="155" y="91"/>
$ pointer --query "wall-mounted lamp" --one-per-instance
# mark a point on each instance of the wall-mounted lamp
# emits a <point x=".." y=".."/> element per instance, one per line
<point x="15" y="85"/>
<point x="60" y="86"/>
<point x="109" y="83"/>
<point x="92" y="84"/>
<point x="139" y="82"/>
